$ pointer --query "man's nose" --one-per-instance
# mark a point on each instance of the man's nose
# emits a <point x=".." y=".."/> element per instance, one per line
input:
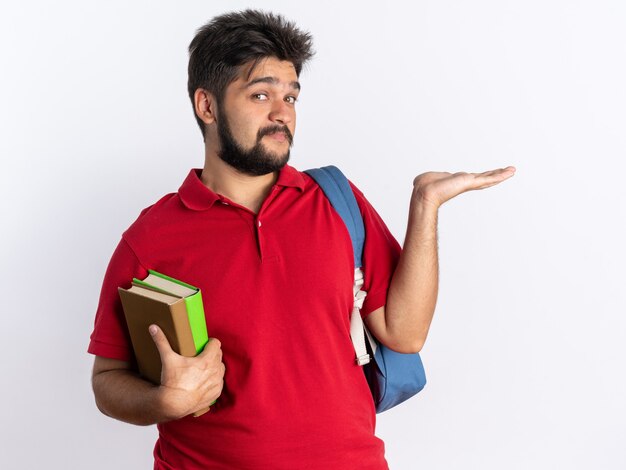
<point x="281" y="112"/>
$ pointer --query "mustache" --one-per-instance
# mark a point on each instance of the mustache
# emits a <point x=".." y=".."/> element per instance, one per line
<point x="275" y="128"/>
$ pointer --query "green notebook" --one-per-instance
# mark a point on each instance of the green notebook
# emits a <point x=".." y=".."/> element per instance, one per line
<point x="193" y="301"/>
<point x="173" y="305"/>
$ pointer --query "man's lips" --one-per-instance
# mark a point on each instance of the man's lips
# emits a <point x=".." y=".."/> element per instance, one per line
<point x="279" y="136"/>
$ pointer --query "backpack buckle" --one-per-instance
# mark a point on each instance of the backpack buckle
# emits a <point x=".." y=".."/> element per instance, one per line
<point x="364" y="359"/>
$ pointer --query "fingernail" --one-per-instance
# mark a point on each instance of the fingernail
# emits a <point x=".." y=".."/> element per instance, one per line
<point x="152" y="329"/>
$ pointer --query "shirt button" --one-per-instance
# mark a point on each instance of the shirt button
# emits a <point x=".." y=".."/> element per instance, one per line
<point x="259" y="223"/>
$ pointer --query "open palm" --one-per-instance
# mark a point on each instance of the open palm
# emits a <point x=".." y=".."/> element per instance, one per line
<point x="439" y="187"/>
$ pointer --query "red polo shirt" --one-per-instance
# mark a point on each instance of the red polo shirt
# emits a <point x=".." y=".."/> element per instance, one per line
<point x="277" y="290"/>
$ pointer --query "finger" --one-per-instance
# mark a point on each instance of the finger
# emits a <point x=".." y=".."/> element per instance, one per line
<point x="503" y="174"/>
<point x="509" y="170"/>
<point x="160" y="341"/>
<point x="491" y="178"/>
<point x="213" y="346"/>
<point x="489" y="185"/>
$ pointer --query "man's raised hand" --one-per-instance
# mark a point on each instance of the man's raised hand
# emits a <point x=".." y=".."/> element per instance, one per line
<point x="189" y="384"/>
<point x="435" y="188"/>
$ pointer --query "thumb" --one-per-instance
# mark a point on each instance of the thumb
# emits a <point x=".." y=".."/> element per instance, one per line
<point x="160" y="340"/>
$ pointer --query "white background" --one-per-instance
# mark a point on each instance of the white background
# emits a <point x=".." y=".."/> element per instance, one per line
<point x="525" y="358"/>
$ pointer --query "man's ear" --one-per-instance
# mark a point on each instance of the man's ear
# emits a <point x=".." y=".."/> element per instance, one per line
<point x="205" y="105"/>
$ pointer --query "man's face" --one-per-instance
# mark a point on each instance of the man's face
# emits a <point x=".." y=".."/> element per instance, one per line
<point x="257" y="118"/>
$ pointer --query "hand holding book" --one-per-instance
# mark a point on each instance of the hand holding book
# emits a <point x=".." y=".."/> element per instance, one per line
<point x="190" y="384"/>
<point x="176" y="307"/>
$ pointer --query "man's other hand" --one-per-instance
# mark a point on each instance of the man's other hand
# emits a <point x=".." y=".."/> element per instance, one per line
<point x="435" y="188"/>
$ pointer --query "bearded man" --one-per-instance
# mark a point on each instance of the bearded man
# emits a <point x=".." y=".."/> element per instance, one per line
<point x="274" y="262"/>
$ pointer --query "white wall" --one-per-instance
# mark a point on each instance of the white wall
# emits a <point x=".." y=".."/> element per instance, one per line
<point x="525" y="357"/>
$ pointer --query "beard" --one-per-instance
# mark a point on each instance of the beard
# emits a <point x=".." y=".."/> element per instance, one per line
<point x="254" y="162"/>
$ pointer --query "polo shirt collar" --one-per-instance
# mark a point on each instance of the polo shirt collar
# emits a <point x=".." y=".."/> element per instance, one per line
<point x="289" y="177"/>
<point x="196" y="196"/>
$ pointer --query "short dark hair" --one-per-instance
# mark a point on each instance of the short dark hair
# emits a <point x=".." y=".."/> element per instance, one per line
<point x="229" y="41"/>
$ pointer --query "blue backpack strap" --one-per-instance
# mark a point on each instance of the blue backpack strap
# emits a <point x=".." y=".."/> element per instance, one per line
<point x="338" y="191"/>
<point x="392" y="377"/>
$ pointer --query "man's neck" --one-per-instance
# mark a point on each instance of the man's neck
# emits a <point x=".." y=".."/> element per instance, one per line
<point x="245" y="190"/>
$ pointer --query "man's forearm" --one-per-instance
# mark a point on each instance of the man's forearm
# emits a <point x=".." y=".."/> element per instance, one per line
<point x="413" y="290"/>
<point x="122" y="395"/>
<point x="189" y="385"/>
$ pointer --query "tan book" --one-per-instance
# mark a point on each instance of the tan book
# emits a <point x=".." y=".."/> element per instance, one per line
<point x="176" y="307"/>
<point x="144" y="307"/>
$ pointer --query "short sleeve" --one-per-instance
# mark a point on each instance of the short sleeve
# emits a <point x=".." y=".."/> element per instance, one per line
<point x="380" y="255"/>
<point x="110" y="335"/>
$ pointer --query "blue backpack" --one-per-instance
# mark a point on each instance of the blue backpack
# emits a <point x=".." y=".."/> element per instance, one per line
<point x="392" y="377"/>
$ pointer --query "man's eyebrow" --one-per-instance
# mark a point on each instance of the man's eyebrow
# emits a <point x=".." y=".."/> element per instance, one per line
<point x="272" y="81"/>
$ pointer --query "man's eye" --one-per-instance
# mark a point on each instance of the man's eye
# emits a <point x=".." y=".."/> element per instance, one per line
<point x="291" y="99"/>
<point x="260" y="96"/>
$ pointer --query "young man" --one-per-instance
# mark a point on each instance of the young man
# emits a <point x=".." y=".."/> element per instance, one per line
<point x="274" y="262"/>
